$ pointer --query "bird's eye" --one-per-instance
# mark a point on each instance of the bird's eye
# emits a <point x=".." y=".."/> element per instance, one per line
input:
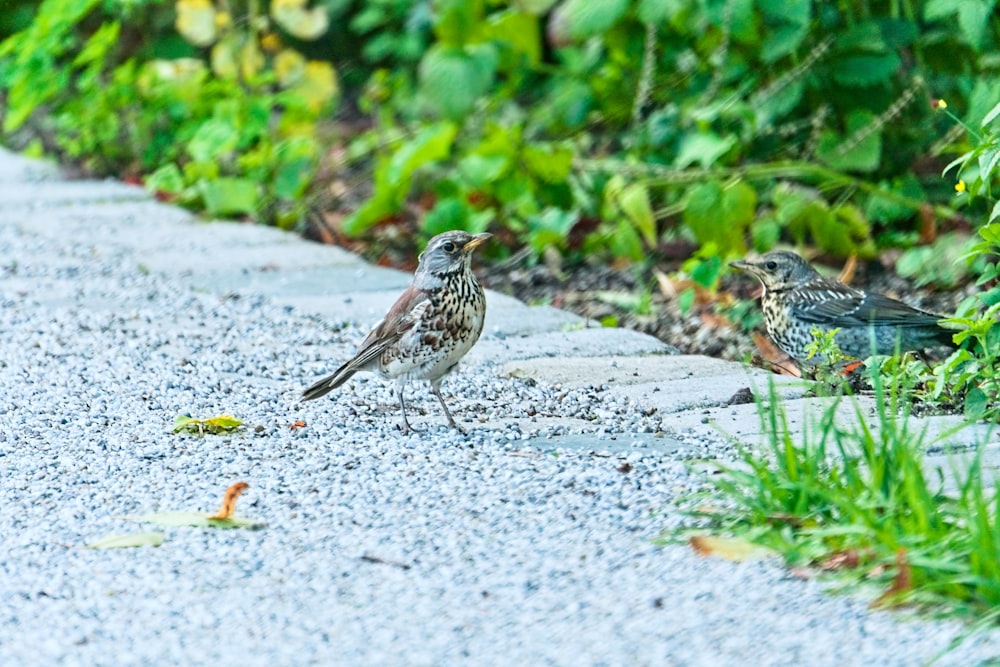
<point x="771" y="266"/>
<point x="449" y="247"/>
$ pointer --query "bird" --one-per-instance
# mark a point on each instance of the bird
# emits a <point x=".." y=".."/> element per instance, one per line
<point x="430" y="327"/>
<point x="797" y="299"/>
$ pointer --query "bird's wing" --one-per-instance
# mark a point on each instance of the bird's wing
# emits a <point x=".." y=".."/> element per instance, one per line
<point x="400" y="319"/>
<point x="852" y="308"/>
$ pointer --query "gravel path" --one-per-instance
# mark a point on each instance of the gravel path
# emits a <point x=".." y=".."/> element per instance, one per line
<point x="525" y="543"/>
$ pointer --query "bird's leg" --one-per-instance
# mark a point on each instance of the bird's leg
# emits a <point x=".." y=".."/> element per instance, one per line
<point x="436" y="388"/>
<point x="402" y="407"/>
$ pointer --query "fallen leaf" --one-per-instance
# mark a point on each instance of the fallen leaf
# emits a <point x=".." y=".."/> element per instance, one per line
<point x="715" y="321"/>
<point x="128" y="540"/>
<point x="902" y="583"/>
<point x="223" y="519"/>
<point x="928" y="224"/>
<point x="213" y="425"/>
<point x="298" y="424"/>
<point x="778" y="359"/>
<point x="731" y="548"/>
<point x="228" y="507"/>
<point x="847" y="273"/>
<point x="666" y="285"/>
<point x="196" y="520"/>
<point x="842" y="560"/>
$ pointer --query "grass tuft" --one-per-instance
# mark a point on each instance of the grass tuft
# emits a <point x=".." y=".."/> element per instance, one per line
<point x="859" y="501"/>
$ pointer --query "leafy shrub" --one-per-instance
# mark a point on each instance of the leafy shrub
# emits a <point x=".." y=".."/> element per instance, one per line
<point x="233" y="133"/>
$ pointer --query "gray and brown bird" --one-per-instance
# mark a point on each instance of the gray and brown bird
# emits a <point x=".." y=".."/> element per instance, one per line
<point x="432" y="325"/>
<point x="797" y="299"/>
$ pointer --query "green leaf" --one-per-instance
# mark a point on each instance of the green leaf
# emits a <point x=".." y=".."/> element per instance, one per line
<point x="180" y="518"/>
<point x="431" y="144"/>
<point x="452" y="78"/>
<point x="721" y="216"/>
<point x="457" y="20"/>
<point x="550" y="228"/>
<point x="482" y="170"/>
<point x="454" y="213"/>
<point x="764" y="234"/>
<point x="798" y="12"/>
<point x="520" y="30"/>
<point x="974" y="17"/>
<point x="128" y="540"/>
<point x="991" y="115"/>
<point x="585" y="18"/>
<point x="634" y="203"/>
<point x="864" y="155"/>
<point x="976" y="404"/>
<point x="703" y="148"/>
<point x="292" y="179"/>
<point x="212" y="140"/>
<point x="550" y="163"/>
<point x="658" y="12"/>
<point x="783" y="40"/>
<point x="167" y="178"/>
<point x="229" y="196"/>
<point x="865" y="70"/>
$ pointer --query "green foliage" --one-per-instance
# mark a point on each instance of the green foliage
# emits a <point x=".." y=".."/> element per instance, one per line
<point x="860" y="499"/>
<point x="969" y="379"/>
<point x="577" y="126"/>
<point x="203" y="131"/>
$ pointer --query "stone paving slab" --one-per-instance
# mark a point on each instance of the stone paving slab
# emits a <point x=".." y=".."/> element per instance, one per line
<point x="46" y="194"/>
<point x="591" y="342"/>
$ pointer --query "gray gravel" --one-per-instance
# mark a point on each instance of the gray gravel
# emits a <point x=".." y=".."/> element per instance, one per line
<point x="522" y="543"/>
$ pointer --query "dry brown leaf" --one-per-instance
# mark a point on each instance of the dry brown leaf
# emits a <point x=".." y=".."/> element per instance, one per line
<point x="842" y="560"/>
<point x="298" y="424"/>
<point x="847" y="273"/>
<point x="902" y="583"/>
<point x="715" y="321"/>
<point x="666" y="285"/>
<point x="671" y="288"/>
<point x="769" y="352"/>
<point x="928" y="224"/>
<point x="229" y="500"/>
<point x="731" y="548"/>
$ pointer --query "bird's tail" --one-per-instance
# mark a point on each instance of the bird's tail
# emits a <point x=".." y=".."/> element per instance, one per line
<point x="330" y="382"/>
<point x="945" y="336"/>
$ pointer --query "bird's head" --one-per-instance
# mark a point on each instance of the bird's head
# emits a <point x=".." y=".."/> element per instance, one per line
<point x="778" y="270"/>
<point x="449" y="253"/>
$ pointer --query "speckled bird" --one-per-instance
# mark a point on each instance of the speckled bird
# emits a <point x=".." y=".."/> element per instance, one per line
<point x="432" y="325"/>
<point x="797" y="299"/>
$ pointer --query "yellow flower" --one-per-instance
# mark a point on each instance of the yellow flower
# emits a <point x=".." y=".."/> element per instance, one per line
<point x="223" y="20"/>
<point x="960" y="186"/>
<point x="940" y="104"/>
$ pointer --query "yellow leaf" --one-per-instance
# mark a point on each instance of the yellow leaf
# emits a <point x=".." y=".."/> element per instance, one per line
<point x="225" y="57"/>
<point x="730" y="548"/>
<point x="289" y="67"/>
<point x="196" y="21"/>
<point x="300" y="22"/>
<point x="319" y="85"/>
<point x="251" y="60"/>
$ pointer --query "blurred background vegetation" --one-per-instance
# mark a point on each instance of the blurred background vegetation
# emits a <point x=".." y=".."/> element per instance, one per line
<point x="619" y="129"/>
